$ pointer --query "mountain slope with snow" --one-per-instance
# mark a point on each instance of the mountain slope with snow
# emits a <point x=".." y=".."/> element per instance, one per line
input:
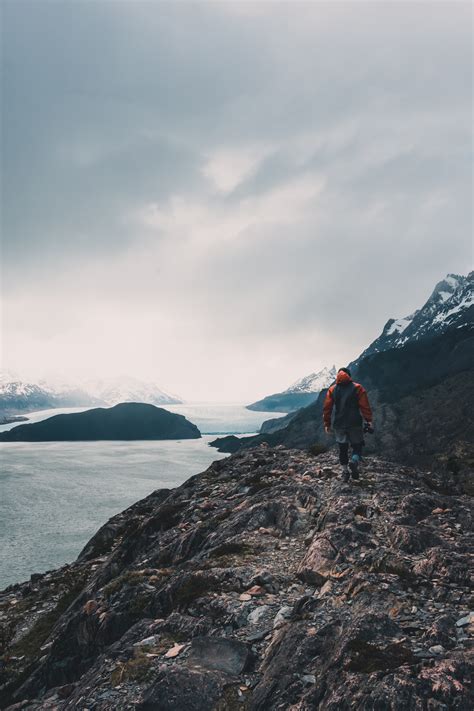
<point x="300" y="394"/>
<point x="315" y="382"/>
<point x="17" y="395"/>
<point x="112" y="391"/>
<point x="451" y="305"/>
<point x="21" y="395"/>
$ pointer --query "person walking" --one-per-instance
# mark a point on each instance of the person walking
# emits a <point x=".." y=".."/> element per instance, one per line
<point x="351" y="406"/>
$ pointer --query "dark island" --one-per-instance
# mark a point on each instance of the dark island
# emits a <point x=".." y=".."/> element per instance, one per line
<point x="126" y="421"/>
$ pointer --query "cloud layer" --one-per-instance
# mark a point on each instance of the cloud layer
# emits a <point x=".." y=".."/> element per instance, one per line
<point x="226" y="196"/>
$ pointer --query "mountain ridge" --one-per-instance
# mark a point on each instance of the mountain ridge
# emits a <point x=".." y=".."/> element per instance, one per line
<point x="303" y="392"/>
<point x="450" y="305"/>
<point x="404" y="386"/>
<point x="19" y="395"/>
<point x="314" y="382"/>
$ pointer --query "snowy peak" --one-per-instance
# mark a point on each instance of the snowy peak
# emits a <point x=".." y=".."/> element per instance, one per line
<point x="315" y="382"/>
<point x="300" y="394"/>
<point x="451" y="305"/>
<point x="446" y="288"/>
<point x="127" y="389"/>
<point x="14" y="386"/>
<point x="22" y="395"/>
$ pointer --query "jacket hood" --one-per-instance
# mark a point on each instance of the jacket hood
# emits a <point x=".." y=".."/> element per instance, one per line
<point x="342" y="378"/>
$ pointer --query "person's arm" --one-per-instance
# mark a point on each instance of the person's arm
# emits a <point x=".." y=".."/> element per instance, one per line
<point x="327" y="409"/>
<point x="364" y="405"/>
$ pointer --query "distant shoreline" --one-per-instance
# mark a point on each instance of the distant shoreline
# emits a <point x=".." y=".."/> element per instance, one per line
<point x="8" y="419"/>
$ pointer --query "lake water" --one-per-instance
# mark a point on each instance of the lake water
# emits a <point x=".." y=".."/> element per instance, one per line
<point x="55" y="495"/>
<point x="210" y="418"/>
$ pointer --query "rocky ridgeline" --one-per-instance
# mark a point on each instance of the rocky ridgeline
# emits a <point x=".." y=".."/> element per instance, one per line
<point x="263" y="583"/>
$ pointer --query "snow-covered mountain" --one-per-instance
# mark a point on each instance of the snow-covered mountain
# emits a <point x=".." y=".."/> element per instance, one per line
<point x="111" y="391"/>
<point x="300" y="394"/>
<point x="23" y="395"/>
<point x="451" y="305"/>
<point x="315" y="382"/>
<point x="16" y="394"/>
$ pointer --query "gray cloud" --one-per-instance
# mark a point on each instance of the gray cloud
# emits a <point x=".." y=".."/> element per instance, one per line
<point x="199" y="189"/>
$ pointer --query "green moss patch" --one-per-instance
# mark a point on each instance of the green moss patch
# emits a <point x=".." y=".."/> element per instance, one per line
<point x="192" y="587"/>
<point x="132" y="577"/>
<point x="136" y="669"/>
<point x="33" y="640"/>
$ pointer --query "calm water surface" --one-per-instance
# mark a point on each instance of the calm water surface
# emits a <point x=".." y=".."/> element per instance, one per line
<point x="210" y="418"/>
<point x="55" y="495"/>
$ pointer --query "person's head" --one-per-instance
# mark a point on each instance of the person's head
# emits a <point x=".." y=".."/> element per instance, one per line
<point x="343" y="376"/>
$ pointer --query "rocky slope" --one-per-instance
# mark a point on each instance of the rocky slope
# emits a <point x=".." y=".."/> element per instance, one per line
<point x="263" y="583"/>
<point x="127" y="421"/>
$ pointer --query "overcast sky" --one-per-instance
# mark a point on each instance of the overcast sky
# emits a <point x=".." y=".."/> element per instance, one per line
<point x="224" y="196"/>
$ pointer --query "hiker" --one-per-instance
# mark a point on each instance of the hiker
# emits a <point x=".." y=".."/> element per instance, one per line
<point x="350" y="403"/>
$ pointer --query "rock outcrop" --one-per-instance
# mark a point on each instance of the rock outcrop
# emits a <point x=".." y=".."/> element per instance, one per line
<point x="127" y="421"/>
<point x="263" y="583"/>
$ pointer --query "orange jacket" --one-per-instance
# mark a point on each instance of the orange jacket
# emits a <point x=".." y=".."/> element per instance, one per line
<point x="362" y="398"/>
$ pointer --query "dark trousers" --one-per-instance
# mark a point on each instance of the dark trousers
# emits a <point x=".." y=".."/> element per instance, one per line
<point x="344" y="451"/>
<point x="353" y="436"/>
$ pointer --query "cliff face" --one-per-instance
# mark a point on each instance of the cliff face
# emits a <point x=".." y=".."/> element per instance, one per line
<point x="263" y="583"/>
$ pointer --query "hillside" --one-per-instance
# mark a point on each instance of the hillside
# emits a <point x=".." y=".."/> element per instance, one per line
<point x="421" y="395"/>
<point x="126" y="421"/>
<point x="450" y="306"/>
<point x="263" y="583"/>
<point x="300" y="394"/>
<point x="283" y="402"/>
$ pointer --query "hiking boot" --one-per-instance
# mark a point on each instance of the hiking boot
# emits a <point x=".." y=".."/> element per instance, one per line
<point x="345" y="473"/>
<point x="354" y="466"/>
